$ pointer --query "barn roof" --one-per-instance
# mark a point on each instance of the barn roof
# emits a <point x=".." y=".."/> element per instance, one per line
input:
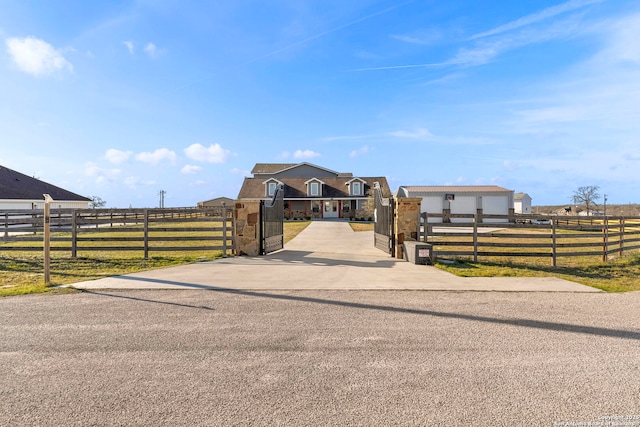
<point x="17" y="186"/>
<point x="454" y="189"/>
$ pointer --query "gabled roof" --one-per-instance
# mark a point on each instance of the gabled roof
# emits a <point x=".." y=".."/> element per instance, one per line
<point x="253" y="188"/>
<point x="17" y="186"/>
<point x="264" y="168"/>
<point x="274" y="168"/>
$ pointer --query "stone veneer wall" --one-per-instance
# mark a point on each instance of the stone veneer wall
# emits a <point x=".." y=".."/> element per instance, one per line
<point x="407" y="218"/>
<point x="247" y="227"/>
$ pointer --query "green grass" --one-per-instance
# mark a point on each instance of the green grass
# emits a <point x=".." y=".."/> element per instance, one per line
<point x="361" y="226"/>
<point x="618" y="275"/>
<point x="21" y="272"/>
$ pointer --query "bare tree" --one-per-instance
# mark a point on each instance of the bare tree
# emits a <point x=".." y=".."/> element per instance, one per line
<point x="96" y="202"/>
<point x="587" y="196"/>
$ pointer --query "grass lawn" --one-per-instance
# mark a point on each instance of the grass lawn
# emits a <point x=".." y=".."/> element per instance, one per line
<point x="361" y="226"/>
<point x="21" y="272"/>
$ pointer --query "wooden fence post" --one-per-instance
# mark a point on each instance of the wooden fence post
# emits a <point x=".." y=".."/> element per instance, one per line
<point x="605" y="240"/>
<point x="146" y="234"/>
<point x="224" y="230"/>
<point x="475" y="238"/>
<point x="6" y="224"/>
<point x="74" y="234"/>
<point x="621" y="236"/>
<point x="46" y="223"/>
<point x="554" y="252"/>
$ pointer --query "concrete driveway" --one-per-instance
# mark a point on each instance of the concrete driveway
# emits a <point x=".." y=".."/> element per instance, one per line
<point x="326" y="255"/>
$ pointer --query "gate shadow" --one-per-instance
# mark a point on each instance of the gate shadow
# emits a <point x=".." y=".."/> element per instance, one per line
<point x="526" y="323"/>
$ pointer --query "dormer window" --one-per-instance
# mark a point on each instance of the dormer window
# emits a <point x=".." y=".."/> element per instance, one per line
<point x="270" y="187"/>
<point x="356" y="187"/>
<point x="314" y="187"/>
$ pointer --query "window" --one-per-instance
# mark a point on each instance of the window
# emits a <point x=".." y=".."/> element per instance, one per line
<point x="314" y="189"/>
<point x="272" y="189"/>
<point x="355" y="190"/>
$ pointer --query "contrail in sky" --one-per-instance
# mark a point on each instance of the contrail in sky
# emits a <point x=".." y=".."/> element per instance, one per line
<point x="324" y="33"/>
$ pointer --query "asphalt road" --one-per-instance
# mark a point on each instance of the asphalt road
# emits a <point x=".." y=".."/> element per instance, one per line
<point x="190" y="357"/>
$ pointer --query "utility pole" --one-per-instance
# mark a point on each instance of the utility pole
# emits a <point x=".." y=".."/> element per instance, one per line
<point x="162" y="193"/>
<point x="605" y="205"/>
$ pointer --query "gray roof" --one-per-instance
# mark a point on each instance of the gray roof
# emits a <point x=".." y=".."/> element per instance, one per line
<point x="454" y="189"/>
<point x="254" y="188"/>
<point x="17" y="186"/>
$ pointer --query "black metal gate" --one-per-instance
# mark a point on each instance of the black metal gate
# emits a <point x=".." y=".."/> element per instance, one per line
<point x="272" y="222"/>
<point x="383" y="229"/>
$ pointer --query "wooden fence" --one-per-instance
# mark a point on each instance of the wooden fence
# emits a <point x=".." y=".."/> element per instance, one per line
<point x="474" y="236"/>
<point x="143" y="230"/>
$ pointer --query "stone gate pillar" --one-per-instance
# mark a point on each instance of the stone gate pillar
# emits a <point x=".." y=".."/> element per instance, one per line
<point x="407" y="218"/>
<point x="247" y="227"/>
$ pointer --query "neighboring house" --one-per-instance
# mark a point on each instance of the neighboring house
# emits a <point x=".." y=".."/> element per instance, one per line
<point x="522" y="203"/>
<point x="461" y="199"/>
<point x="312" y="191"/>
<point x="217" y="203"/>
<point x="19" y="191"/>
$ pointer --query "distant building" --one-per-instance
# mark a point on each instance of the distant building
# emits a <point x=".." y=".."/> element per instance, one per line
<point x="217" y="203"/>
<point x="522" y="203"/>
<point x="461" y="199"/>
<point x="20" y="191"/>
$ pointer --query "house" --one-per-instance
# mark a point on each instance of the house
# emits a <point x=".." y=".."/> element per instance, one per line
<point x="217" y="203"/>
<point x="522" y="203"/>
<point x="312" y="191"/>
<point x="19" y="191"/>
<point x="462" y="199"/>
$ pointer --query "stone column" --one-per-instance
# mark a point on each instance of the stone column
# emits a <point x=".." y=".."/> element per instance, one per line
<point x="407" y="218"/>
<point x="247" y="227"/>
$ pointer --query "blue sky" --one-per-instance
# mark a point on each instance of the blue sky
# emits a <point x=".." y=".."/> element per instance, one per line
<point x="122" y="99"/>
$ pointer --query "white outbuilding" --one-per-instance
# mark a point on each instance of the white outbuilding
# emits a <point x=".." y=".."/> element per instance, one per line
<point x="462" y="199"/>
<point x="522" y="203"/>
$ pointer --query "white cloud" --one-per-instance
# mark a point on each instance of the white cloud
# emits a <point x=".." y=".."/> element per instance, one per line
<point x="420" y="133"/>
<point x="284" y="155"/>
<point x="305" y="154"/>
<point x="190" y="169"/>
<point x="36" y="57"/>
<point x="157" y="156"/>
<point x="153" y="51"/>
<point x="100" y="174"/>
<point x="117" y="156"/>
<point x="360" y="151"/>
<point x="212" y="154"/>
<point x="130" y="46"/>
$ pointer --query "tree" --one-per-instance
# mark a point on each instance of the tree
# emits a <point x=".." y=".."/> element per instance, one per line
<point x="96" y="202"/>
<point x="587" y="196"/>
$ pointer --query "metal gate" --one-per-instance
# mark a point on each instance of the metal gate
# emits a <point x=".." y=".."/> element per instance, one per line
<point x="383" y="214"/>
<point x="272" y="222"/>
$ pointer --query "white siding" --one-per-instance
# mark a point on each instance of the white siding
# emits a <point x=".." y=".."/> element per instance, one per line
<point x="433" y="204"/>
<point x="495" y="205"/>
<point x="39" y="204"/>
<point x="463" y="205"/>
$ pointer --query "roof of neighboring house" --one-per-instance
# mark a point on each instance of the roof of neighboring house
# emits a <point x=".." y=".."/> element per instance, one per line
<point x="454" y="189"/>
<point x="519" y="196"/>
<point x="253" y="188"/>
<point x="17" y="186"/>
<point x="217" y="200"/>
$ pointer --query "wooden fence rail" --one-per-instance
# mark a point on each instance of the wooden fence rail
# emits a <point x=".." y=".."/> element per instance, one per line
<point x="474" y="236"/>
<point x="144" y="230"/>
